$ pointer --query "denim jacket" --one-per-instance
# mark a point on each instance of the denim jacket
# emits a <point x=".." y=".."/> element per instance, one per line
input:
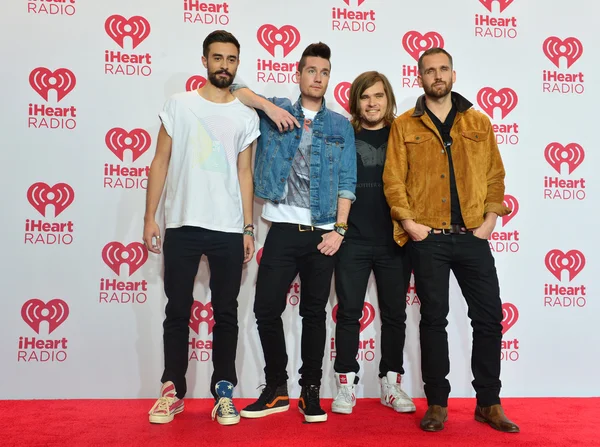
<point x="332" y="161"/>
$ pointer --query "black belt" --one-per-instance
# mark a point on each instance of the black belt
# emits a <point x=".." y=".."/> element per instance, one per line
<point x="298" y="227"/>
<point x="454" y="229"/>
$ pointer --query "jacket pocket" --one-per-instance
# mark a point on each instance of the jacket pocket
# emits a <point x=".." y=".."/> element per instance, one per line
<point x="418" y="138"/>
<point x="474" y="135"/>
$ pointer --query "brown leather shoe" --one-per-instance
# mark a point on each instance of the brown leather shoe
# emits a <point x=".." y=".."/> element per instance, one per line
<point x="495" y="417"/>
<point x="434" y="418"/>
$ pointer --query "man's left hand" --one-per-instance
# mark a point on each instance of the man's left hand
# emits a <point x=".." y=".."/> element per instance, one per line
<point x="248" y="248"/>
<point x="485" y="230"/>
<point x="331" y="243"/>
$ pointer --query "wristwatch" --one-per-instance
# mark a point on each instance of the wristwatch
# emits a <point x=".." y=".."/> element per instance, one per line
<point x="340" y="228"/>
<point x="340" y="231"/>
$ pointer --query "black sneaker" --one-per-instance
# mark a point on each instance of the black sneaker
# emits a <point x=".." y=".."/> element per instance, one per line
<point x="273" y="399"/>
<point x="309" y="404"/>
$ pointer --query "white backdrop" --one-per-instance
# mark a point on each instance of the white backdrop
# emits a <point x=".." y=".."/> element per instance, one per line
<point x="83" y="84"/>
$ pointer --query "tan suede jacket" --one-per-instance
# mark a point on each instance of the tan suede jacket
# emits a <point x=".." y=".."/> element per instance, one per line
<point x="415" y="178"/>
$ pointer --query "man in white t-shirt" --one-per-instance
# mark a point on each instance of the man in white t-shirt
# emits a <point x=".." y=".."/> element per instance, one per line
<point x="204" y="162"/>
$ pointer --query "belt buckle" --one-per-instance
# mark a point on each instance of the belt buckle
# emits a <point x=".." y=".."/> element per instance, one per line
<point x="306" y="228"/>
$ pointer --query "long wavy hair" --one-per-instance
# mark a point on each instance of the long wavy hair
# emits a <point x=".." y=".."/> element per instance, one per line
<point x="361" y="83"/>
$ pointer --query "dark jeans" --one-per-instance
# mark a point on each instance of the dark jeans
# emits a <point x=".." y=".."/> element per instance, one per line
<point x="391" y="267"/>
<point x="286" y="253"/>
<point x="183" y="248"/>
<point x="471" y="260"/>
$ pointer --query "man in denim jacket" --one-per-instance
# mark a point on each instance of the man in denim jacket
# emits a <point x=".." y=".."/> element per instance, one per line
<point x="305" y="169"/>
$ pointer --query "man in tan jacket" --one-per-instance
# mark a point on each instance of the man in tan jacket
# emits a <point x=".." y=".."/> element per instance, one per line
<point x="444" y="182"/>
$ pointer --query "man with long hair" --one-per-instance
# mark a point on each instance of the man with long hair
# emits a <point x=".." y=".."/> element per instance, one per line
<point x="369" y="247"/>
<point x="204" y="155"/>
<point x="444" y="181"/>
<point x="307" y="176"/>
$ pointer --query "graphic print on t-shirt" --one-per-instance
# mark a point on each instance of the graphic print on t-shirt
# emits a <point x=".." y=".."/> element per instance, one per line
<point x="369" y="155"/>
<point x="208" y="152"/>
<point x="297" y="191"/>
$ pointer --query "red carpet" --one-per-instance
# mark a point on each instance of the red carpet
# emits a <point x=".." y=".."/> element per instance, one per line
<point x="543" y="422"/>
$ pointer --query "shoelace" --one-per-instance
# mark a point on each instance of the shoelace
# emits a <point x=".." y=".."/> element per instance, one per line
<point x="226" y="405"/>
<point x="346" y="393"/>
<point x="312" y="395"/>
<point x="162" y="405"/>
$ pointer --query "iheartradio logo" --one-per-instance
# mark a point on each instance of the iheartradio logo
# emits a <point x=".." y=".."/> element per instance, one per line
<point x="505" y="99"/>
<point x="512" y="203"/>
<point x="287" y="37"/>
<point x="137" y="141"/>
<point x="554" y="48"/>
<point x="572" y="261"/>
<point x="115" y="254"/>
<point x="360" y="2"/>
<point x="367" y="318"/>
<point x="488" y="4"/>
<point x="195" y="82"/>
<point x="118" y="28"/>
<point x="342" y="95"/>
<point x="55" y="312"/>
<point x="572" y="154"/>
<point x="201" y="313"/>
<point x="40" y="195"/>
<point x="416" y="43"/>
<point x="42" y="80"/>
<point x="510" y="315"/>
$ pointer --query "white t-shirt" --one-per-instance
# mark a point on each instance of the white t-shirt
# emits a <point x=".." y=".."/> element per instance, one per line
<point x="294" y="207"/>
<point x="202" y="186"/>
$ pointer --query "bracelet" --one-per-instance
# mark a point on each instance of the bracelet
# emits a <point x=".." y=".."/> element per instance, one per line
<point x="248" y="226"/>
<point x="249" y="233"/>
<point x="342" y="225"/>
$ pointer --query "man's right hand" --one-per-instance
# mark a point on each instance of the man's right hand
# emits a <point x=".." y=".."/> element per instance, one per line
<point x="283" y="119"/>
<point x="152" y="236"/>
<point x="417" y="232"/>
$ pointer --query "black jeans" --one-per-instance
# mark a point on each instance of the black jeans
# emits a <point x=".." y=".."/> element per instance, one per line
<point x="183" y="248"/>
<point x="471" y="260"/>
<point x="286" y="253"/>
<point x="391" y="267"/>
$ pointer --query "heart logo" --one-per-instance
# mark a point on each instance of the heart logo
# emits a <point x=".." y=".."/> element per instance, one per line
<point x="342" y="95"/>
<point x="503" y="4"/>
<point x="118" y="28"/>
<point x="510" y="315"/>
<point x="571" y="49"/>
<point x="572" y="261"/>
<point x="512" y="203"/>
<point x="505" y="99"/>
<point x="202" y="313"/>
<point x="287" y="37"/>
<point x="43" y="80"/>
<point x="416" y="43"/>
<point x="41" y="194"/>
<point x="55" y="312"/>
<point x="195" y="82"/>
<point x="118" y="140"/>
<point x="572" y="154"/>
<point x="367" y="318"/>
<point x="115" y="254"/>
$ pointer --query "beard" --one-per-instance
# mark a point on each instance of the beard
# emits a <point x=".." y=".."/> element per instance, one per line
<point x="438" y="91"/>
<point x="220" y="82"/>
<point x="372" y="120"/>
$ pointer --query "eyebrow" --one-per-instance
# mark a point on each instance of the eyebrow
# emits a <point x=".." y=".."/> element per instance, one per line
<point x="220" y="55"/>
<point x="313" y="66"/>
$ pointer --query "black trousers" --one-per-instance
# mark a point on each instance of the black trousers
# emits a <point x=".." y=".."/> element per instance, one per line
<point x="471" y="260"/>
<point x="392" y="269"/>
<point x="286" y="253"/>
<point x="183" y="248"/>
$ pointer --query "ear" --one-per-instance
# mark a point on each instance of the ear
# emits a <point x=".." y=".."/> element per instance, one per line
<point x="420" y="79"/>
<point x="204" y="62"/>
<point x="453" y="76"/>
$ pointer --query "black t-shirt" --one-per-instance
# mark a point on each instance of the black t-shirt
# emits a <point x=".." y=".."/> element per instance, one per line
<point x="369" y="221"/>
<point x="444" y="130"/>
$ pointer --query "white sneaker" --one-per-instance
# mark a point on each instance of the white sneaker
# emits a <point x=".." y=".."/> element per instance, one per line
<point x="345" y="399"/>
<point x="167" y="406"/>
<point x="392" y="395"/>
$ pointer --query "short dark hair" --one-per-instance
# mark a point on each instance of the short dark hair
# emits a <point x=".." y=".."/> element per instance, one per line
<point x="435" y="50"/>
<point x="220" y="36"/>
<point x="315" y="50"/>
